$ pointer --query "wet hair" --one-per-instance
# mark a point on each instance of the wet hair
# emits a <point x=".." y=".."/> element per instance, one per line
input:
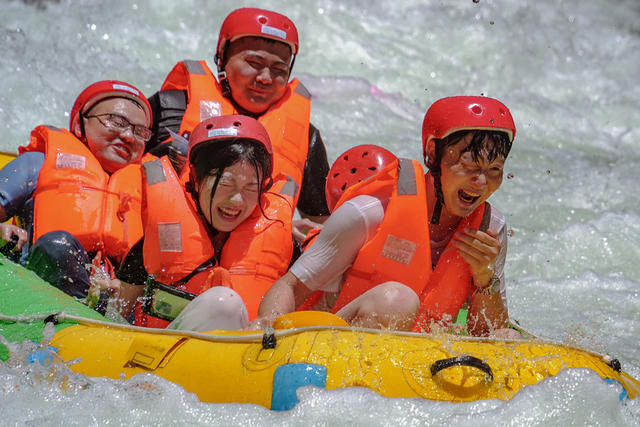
<point x="499" y="145"/>
<point x="216" y="157"/>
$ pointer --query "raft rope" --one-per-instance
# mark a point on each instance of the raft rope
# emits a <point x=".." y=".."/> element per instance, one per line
<point x="58" y="317"/>
<point x="260" y="336"/>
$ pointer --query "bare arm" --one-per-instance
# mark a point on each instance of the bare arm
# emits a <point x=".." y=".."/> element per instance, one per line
<point x="484" y="251"/>
<point x="285" y="296"/>
<point x="125" y="293"/>
<point x="486" y="314"/>
<point x="3" y="214"/>
<point x="300" y="227"/>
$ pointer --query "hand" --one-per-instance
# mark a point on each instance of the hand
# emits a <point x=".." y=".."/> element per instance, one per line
<point x="8" y="231"/>
<point x="480" y="250"/>
<point x="112" y="286"/>
<point x="300" y="228"/>
<point x="259" y="324"/>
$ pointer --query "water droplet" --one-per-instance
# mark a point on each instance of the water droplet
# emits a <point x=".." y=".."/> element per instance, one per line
<point x="548" y="171"/>
<point x="510" y="233"/>
<point x="476" y="1"/>
<point x="510" y="175"/>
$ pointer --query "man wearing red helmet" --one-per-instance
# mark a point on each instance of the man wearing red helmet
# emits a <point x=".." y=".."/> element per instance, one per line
<point x="408" y="250"/>
<point x="254" y="56"/>
<point x="84" y="208"/>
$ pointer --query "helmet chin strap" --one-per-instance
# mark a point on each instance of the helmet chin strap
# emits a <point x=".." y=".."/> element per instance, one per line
<point x="437" y="210"/>
<point x="436" y="172"/>
<point x="222" y="75"/>
<point x="224" y="83"/>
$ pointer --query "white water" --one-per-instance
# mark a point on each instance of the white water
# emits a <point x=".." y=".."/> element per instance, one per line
<point x="567" y="70"/>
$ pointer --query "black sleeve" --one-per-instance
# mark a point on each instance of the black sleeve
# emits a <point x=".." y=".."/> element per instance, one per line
<point x="132" y="269"/>
<point x="312" y="200"/>
<point x="168" y="107"/>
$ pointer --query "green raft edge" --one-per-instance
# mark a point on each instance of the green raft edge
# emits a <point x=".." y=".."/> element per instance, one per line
<point x="23" y="293"/>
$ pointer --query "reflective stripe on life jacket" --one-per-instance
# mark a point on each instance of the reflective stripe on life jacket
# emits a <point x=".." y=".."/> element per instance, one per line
<point x="75" y="194"/>
<point x="177" y="245"/>
<point x="287" y="121"/>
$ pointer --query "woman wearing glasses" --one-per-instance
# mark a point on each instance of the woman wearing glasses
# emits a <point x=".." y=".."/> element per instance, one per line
<point x="77" y="192"/>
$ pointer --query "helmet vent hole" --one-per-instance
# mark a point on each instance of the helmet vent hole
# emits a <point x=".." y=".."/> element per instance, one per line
<point x="365" y="154"/>
<point x="344" y="187"/>
<point x="335" y="175"/>
<point x="262" y="20"/>
<point x="354" y="170"/>
<point x="476" y="109"/>
<point x="209" y="126"/>
<point x="372" y="168"/>
<point x="237" y="124"/>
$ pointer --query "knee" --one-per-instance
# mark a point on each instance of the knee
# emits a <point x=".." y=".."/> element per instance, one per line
<point x="224" y="301"/>
<point x="397" y="298"/>
<point x="56" y="242"/>
<point x="217" y="308"/>
<point x="59" y="259"/>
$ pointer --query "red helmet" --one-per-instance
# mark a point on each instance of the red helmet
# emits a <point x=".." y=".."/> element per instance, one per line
<point x="102" y="90"/>
<point x="226" y="128"/>
<point x="259" y="23"/>
<point x="448" y="115"/>
<point x="353" y="166"/>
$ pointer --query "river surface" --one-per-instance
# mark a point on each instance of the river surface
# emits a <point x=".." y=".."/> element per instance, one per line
<point x="567" y="69"/>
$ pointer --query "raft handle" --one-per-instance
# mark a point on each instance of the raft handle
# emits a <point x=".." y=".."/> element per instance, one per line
<point x="52" y="318"/>
<point x="615" y="365"/>
<point x="464" y="360"/>
<point x="269" y="338"/>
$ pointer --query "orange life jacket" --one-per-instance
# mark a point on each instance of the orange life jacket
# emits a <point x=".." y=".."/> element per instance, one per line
<point x="401" y="248"/>
<point x="287" y="121"/>
<point x="177" y="244"/>
<point x="75" y="194"/>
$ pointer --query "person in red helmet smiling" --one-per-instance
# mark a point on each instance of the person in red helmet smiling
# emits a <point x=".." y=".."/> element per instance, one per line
<point x="408" y="250"/>
<point x="254" y="57"/>
<point x="87" y="188"/>
<point x="214" y="244"/>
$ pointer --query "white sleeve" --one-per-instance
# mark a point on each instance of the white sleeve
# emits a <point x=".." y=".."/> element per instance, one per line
<point x="498" y="223"/>
<point x="322" y="266"/>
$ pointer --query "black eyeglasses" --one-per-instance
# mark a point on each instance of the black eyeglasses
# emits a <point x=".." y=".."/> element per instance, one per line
<point x="118" y="123"/>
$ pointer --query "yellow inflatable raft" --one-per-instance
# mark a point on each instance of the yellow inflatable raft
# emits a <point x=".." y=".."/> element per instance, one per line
<point x="305" y="348"/>
<point x="266" y="368"/>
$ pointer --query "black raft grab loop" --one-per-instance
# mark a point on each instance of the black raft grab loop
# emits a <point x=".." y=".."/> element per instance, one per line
<point x="269" y="338"/>
<point x="52" y="318"/>
<point x="464" y="360"/>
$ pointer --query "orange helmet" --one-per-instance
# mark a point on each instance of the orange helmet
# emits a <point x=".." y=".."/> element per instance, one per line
<point x="106" y="89"/>
<point x="449" y="115"/>
<point x="246" y="22"/>
<point x="353" y="166"/>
